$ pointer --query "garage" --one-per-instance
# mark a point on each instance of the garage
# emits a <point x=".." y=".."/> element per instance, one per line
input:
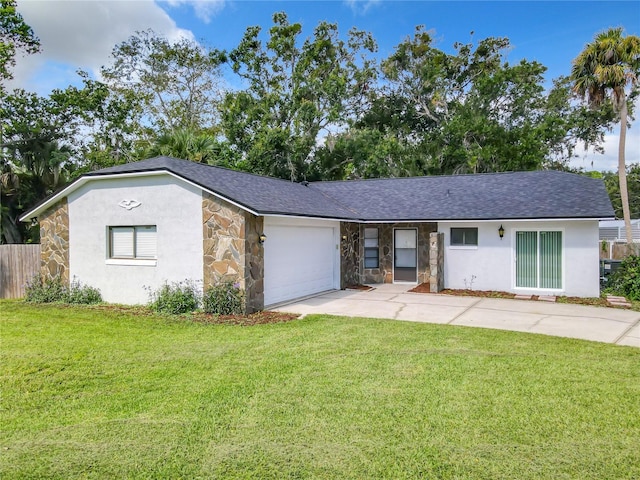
<point x="299" y="259"/>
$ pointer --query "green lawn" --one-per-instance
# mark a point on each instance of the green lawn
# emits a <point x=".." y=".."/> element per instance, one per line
<point x="89" y="393"/>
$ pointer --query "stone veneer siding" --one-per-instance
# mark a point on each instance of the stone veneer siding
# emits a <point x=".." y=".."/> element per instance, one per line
<point x="349" y="254"/>
<point x="436" y="262"/>
<point x="384" y="273"/>
<point x="232" y="251"/>
<point x="54" y="242"/>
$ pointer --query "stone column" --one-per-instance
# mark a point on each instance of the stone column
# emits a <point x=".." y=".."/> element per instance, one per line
<point x="436" y="262"/>
<point x="54" y="242"/>
<point x="349" y="254"/>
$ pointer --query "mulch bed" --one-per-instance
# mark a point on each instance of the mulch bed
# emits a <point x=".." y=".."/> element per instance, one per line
<point x="365" y="288"/>
<point x="596" y="302"/>
<point x="258" y="318"/>
<point x="424" y="288"/>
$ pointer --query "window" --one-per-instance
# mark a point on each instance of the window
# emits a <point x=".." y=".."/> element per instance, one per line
<point x="132" y="242"/>
<point x="464" y="236"/>
<point x="539" y="259"/>
<point x="371" y="250"/>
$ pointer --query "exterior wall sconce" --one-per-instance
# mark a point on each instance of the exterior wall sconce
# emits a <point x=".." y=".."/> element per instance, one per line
<point x="344" y="238"/>
<point x="34" y="221"/>
<point x="261" y="238"/>
<point x="501" y="232"/>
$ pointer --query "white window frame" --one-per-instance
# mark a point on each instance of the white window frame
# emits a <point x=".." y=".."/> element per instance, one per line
<point x="135" y="259"/>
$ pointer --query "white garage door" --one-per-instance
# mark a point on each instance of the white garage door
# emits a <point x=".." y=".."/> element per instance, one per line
<point x="298" y="261"/>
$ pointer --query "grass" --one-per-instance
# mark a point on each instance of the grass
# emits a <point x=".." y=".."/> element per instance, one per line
<point x="98" y="393"/>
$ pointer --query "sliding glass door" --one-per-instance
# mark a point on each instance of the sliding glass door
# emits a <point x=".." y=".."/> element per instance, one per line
<point x="539" y="259"/>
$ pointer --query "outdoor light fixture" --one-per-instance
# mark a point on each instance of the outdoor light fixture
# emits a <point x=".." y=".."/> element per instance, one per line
<point x="344" y="238"/>
<point x="34" y="221"/>
<point x="262" y="238"/>
<point x="501" y="232"/>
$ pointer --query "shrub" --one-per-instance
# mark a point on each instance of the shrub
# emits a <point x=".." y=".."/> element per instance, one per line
<point x="626" y="279"/>
<point x="224" y="299"/>
<point x="53" y="290"/>
<point x="83" y="294"/>
<point x="175" y="298"/>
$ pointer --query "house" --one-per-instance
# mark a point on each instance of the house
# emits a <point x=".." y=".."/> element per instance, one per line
<point x="614" y="231"/>
<point x="163" y="219"/>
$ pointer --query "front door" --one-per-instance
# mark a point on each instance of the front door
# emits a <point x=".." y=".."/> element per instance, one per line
<point x="405" y="255"/>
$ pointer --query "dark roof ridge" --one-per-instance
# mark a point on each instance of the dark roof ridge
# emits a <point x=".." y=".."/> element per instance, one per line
<point x="453" y="175"/>
<point x="163" y="157"/>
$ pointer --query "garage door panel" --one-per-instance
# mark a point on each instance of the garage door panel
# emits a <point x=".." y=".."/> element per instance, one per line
<point x="299" y="261"/>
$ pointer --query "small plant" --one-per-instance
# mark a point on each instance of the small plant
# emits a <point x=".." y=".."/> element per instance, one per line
<point x="53" y="290"/>
<point x="626" y="279"/>
<point x="224" y="299"/>
<point x="45" y="290"/>
<point x="175" y="298"/>
<point x="83" y="294"/>
<point x="469" y="285"/>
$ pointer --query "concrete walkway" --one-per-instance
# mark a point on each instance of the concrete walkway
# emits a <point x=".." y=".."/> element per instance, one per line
<point x="611" y="325"/>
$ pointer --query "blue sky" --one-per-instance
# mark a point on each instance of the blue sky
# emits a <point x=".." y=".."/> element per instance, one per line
<point x="81" y="33"/>
<point x="552" y="33"/>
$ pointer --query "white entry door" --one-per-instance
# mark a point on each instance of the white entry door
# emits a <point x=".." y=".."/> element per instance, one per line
<point x="298" y="261"/>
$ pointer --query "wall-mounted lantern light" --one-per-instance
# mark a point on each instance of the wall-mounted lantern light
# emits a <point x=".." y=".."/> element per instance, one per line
<point x="344" y="238"/>
<point x="34" y="221"/>
<point x="262" y="238"/>
<point x="501" y="232"/>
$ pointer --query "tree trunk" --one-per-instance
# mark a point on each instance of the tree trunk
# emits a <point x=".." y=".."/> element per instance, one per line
<point x="622" y="170"/>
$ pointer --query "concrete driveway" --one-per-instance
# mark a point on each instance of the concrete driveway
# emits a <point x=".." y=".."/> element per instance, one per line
<point x="611" y="325"/>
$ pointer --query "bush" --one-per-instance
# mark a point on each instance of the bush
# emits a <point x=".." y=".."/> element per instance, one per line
<point x="53" y="290"/>
<point x="175" y="298"/>
<point x="83" y="294"/>
<point x="626" y="279"/>
<point x="224" y="299"/>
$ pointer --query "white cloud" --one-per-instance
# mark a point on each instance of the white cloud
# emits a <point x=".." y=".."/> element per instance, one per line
<point x="81" y="34"/>
<point x="361" y="7"/>
<point x="204" y="9"/>
<point x="589" y="160"/>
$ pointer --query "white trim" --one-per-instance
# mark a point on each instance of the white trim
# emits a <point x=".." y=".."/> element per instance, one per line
<point x="393" y="255"/>
<point x="132" y="261"/>
<point x="471" y="220"/>
<point x="305" y="217"/>
<point x="86" y="179"/>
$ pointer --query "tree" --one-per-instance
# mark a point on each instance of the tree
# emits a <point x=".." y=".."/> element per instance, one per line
<point x="189" y="145"/>
<point x="15" y="35"/>
<point x="294" y="95"/>
<point x="177" y="83"/>
<point x="50" y="140"/>
<point x="602" y="72"/>
<point x="612" y="182"/>
<point x="466" y="112"/>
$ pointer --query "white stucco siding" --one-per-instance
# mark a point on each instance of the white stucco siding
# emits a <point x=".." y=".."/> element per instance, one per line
<point x="492" y="263"/>
<point x="175" y="207"/>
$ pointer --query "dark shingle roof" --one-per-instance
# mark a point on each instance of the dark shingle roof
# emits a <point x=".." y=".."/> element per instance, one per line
<point x="516" y="195"/>
<point x="513" y="195"/>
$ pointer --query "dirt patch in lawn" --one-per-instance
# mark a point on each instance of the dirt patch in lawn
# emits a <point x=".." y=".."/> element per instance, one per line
<point x="257" y="318"/>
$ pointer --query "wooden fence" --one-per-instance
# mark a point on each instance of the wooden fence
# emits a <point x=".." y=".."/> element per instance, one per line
<point x="18" y="264"/>
<point x="618" y="251"/>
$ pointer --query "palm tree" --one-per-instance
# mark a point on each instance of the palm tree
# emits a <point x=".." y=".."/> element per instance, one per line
<point x="186" y="144"/>
<point x="604" y="69"/>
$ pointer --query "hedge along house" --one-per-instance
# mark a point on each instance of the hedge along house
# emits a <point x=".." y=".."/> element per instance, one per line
<point x="163" y="219"/>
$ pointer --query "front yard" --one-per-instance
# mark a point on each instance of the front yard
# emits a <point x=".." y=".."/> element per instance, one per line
<point x="94" y="393"/>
